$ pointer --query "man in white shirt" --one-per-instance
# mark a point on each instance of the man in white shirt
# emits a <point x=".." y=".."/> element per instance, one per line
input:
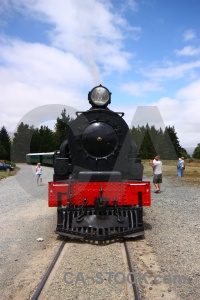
<point x="157" y="172"/>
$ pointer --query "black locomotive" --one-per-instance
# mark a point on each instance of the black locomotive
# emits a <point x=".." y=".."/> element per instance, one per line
<point x="97" y="184"/>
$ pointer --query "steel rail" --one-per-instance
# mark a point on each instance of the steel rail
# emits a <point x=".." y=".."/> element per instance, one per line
<point x="46" y="275"/>
<point x="133" y="282"/>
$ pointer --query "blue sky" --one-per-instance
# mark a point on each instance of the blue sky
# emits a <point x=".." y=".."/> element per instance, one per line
<point x="146" y="52"/>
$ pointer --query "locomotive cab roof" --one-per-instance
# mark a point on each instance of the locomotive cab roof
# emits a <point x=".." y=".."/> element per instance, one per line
<point x="99" y="97"/>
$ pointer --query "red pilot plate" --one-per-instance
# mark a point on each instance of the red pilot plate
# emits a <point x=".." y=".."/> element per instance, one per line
<point x="125" y="193"/>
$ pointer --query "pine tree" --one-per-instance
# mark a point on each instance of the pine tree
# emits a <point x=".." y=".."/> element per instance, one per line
<point x="152" y="141"/>
<point x="43" y="140"/>
<point x="196" y="153"/>
<point x="2" y="152"/>
<point x="22" y="142"/>
<point x="62" y="128"/>
<point x="141" y="136"/>
<point x="5" y="144"/>
<point x="47" y="139"/>
<point x="173" y="139"/>
<point x="147" y="148"/>
<point x="35" y="141"/>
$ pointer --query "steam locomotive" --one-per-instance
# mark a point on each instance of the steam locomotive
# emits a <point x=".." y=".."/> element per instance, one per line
<point x="97" y="184"/>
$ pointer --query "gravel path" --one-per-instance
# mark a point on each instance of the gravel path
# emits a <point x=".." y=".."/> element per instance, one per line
<point x="89" y="271"/>
<point x="172" y="231"/>
<point x="24" y="217"/>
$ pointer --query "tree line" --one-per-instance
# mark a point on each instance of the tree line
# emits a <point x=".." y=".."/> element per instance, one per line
<point x="152" y="141"/>
<point x="27" y="139"/>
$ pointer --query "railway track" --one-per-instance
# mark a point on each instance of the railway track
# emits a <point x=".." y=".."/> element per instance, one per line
<point x="135" y="290"/>
<point x="51" y="266"/>
<point x="48" y="272"/>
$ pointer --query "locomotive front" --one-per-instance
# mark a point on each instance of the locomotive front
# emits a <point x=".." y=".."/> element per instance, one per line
<point x="97" y="185"/>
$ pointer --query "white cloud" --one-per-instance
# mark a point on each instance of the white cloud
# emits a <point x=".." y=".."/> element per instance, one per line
<point x="172" y="71"/>
<point x="33" y="74"/>
<point x="189" y="35"/>
<point x="140" y="88"/>
<point x="158" y="76"/>
<point x="190" y="92"/>
<point x="38" y="64"/>
<point x="128" y="5"/>
<point x="132" y="5"/>
<point x="168" y="108"/>
<point x="89" y="29"/>
<point x="21" y="98"/>
<point x="183" y="113"/>
<point x="188" y="51"/>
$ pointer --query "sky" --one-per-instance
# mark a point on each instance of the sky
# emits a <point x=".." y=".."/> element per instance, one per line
<point x="146" y="52"/>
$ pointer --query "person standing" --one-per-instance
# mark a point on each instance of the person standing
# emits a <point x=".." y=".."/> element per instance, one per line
<point x="182" y="166"/>
<point x="157" y="172"/>
<point x="38" y="173"/>
<point x="179" y="167"/>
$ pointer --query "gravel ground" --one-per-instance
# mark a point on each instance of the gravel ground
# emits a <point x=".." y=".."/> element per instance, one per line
<point x="89" y="271"/>
<point x="172" y="232"/>
<point x="169" y="254"/>
<point x="170" y="247"/>
<point x="24" y="217"/>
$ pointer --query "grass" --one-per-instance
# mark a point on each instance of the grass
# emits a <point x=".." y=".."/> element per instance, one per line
<point x="4" y="174"/>
<point x="191" y="173"/>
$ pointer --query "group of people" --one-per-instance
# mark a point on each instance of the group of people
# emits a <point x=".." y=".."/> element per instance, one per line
<point x="156" y="164"/>
<point x="180" y="167"/>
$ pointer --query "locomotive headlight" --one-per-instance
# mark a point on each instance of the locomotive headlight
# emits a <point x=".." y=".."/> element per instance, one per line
<point x="99" y="96"/>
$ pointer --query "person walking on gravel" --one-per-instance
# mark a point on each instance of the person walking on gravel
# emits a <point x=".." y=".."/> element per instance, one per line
<point x="38" y="173"/>
<point x="157" y="172"/>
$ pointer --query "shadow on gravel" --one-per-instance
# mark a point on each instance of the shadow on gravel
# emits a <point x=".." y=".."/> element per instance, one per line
<point x="147" y="226"/>
<point x="97" y="243"/>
